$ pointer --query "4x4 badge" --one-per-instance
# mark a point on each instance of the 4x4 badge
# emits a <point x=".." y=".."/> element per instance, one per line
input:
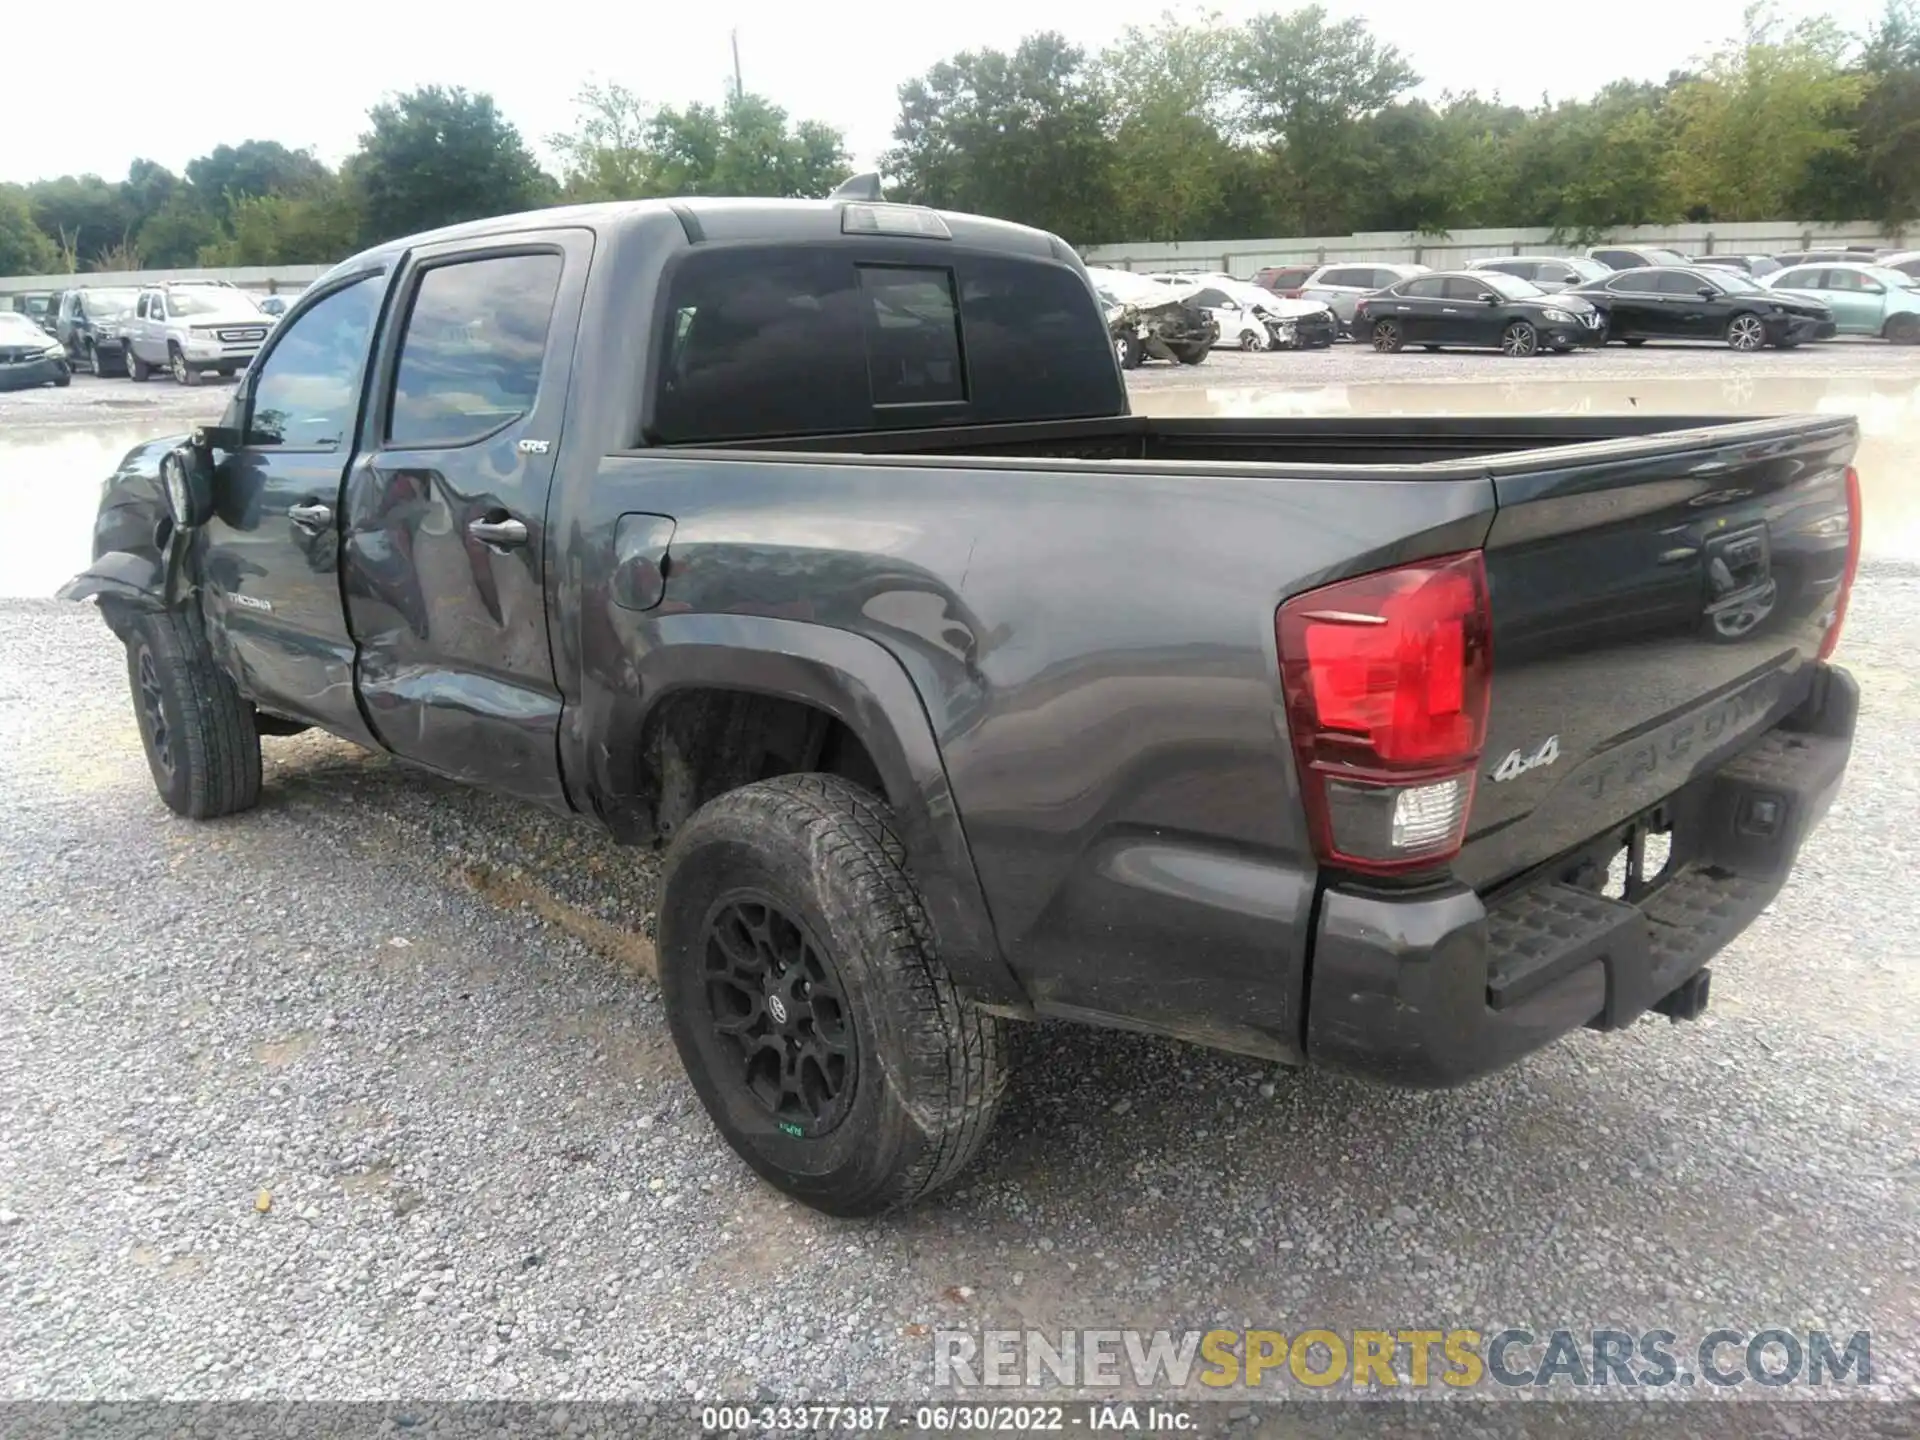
<point x="1516" y="764"/>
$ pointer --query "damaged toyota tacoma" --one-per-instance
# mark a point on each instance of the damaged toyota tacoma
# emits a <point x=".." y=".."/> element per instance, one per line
<point x="1147" y="320"/>
<point x="815" y="541"/>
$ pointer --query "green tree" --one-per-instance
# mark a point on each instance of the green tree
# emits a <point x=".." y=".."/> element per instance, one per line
<point x="621" y="149"/>
<point x="1762" y="111"/>
<point x="437" y="156"/>
<point x="82" y="212"/>
<point x="229" y="174"/>
<point x="24" y="246"/>
<point x="177" y="233"/>
<point x="1308" y="83"/>
<point x="1174" y="114"/>
<point x="1021" y="136"/>
<point x="1586" y="167"/>
<point x="317" y="224"/>
<point x="1888" y="119"/>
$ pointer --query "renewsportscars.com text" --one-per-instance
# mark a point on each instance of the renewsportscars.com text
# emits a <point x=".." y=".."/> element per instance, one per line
<point x="1321" y="1359"/>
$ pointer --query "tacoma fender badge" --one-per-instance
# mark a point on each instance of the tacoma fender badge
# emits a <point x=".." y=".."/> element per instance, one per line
<point x="1516" y="764"/>
<point x="250" y="602"/>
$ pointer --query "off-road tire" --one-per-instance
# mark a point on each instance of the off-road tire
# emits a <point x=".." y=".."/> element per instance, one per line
<point x="203" y="746"/>
<point x="929" y="1070"/>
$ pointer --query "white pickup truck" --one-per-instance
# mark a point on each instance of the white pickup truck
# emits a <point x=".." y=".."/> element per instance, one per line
<point x="189" y="327"/>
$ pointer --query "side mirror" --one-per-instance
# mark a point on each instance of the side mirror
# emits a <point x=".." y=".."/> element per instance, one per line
<point x="1487" y="298"/>
<point x="1707" y="292"/>
<point x="186" y="478"/>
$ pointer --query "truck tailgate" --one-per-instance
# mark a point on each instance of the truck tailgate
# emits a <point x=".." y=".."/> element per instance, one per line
<point x="1657" y="604"/>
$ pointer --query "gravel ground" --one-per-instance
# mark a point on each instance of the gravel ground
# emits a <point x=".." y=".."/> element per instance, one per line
<point x="367" y="1094"/>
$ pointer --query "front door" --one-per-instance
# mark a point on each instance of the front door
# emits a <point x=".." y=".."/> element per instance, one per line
<point x="270" y="563"/>
<point x="446" y="554"/>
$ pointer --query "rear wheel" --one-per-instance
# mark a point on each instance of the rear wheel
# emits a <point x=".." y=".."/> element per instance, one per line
<point x="818" y="1026"/>
<point x="202" y="744"/>
<point x="1190" y="354"/>
<point x="1746" y="332"/>
<point x="1903" y="329"/>
<point x="1387" y="338"/>
<point x="1127" y="350"/>
<point x="1519" y="340"/>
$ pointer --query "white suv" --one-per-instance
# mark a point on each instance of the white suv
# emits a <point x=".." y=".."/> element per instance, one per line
<point x="192" y="326"/>
<point x="1339" y="287"/>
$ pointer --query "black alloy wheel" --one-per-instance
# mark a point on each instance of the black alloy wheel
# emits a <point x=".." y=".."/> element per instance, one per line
<point x="776" y="1004"/>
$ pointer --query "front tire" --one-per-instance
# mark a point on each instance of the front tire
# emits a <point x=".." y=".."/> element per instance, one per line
<point x="1746" y="333"/>
<point x="137" y="369"/>
<point x="1519" y="341"/>
<point x="183" y="373"/>
<point x="202" y="743"/>
<point x="818" y="1026"/>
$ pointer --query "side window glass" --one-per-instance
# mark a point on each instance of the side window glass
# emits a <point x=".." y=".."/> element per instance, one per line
<point x="307" y="389"/>
<point x="1422" y="290"/>
<point x="1459" y="288"/>
<point x="472" y="351"/>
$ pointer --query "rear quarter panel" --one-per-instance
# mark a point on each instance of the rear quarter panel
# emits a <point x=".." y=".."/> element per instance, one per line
<point x="1094" y="649"/>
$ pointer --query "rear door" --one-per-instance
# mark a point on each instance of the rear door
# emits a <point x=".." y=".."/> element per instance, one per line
<point x="1656" y="603"/>
<point x="446" y="555"/>
<point x="1470" y="320"/>
<point x="1416" y="308"/>
<point x="1636" y="309"/>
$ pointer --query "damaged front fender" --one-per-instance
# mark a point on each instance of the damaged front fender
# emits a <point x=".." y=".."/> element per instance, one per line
<point x="138" y="562"/>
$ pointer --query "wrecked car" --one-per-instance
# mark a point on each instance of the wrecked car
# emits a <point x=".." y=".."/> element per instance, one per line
<point x="1257" y="319"/>
<point x="1151" y="321"/>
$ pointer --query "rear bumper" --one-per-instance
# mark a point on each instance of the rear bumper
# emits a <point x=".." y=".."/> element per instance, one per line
<point x="1437" y="988"/>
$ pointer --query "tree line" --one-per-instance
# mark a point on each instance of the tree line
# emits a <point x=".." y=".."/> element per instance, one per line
<point x="1291" y="124"/>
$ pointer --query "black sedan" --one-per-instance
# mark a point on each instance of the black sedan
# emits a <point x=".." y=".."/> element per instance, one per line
<point x="29" y="356"/>
<point x="1674" y="302"/>
<point x="1477" y="309"/>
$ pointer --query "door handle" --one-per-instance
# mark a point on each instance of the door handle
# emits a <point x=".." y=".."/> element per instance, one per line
<point x="502" y="534"/>
<point x="310" y="516"/>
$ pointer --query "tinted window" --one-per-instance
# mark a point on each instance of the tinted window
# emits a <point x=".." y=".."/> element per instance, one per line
<point x="764" y="342"/>
<point x="470" y="358"/>
<point x="1431" y="289"/>
<point x="1800" y="280"/>
<point x="1524" y="269"/>
<point x="308" y="387"/>
<point x="1380" y="279"/>
<point x="1849" y="280"/>
<point x="1907" y="267"/>
<point x="1637" y="282"/>
<point x="1618" y="259"/>
<point x="1291" y="279"/>
<point x="913" y="336"/>
<point x="1679" y="282"/>
<point x="1352" y="279"/>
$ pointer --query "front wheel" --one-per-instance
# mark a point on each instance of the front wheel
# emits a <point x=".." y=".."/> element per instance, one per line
<point x="1387" y="338"/>
<point x="818" y="1026"/>
<point x="1746" y="333"/>
<point x="137" y="369"/>
<point x="1519" y="340"/>
<point x="1904" y="330"/>
<point x="201" y="739"/>
<point x="183" y="373"/>
<point x="1252" y="340"/>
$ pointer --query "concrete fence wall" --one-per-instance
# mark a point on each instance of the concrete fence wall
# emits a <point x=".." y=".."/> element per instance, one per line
<point x="288" y="279"/>
<point x="1243" y="257"/>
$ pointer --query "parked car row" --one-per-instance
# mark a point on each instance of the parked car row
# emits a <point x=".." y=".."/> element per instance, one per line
<point x="1180" y="318"/>
<point x="1525" y="304"/>
<point x="186" y="328"/>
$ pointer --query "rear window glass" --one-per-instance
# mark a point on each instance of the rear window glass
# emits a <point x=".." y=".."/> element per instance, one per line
<point x="764" y="342"/>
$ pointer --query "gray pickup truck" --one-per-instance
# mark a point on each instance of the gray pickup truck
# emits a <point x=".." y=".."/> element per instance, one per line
<point x="815" y="540"/>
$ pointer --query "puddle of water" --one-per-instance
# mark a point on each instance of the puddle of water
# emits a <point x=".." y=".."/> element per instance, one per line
<point x="1887" y="407"/>
<point x="50" y="482"/>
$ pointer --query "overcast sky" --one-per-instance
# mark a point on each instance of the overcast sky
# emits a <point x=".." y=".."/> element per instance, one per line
<point x="96" y="84"/>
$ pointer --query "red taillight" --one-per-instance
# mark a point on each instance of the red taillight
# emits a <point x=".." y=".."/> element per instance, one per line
<point x="1831" y="640"/>
<point x="1386" y="679"/>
